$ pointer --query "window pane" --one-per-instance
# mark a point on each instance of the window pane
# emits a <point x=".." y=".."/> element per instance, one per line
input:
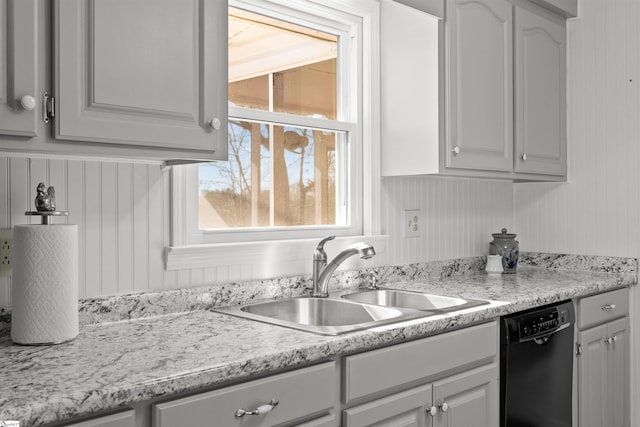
<point x="275" y="176"/>
<point x="297" y="64"/>
<point x="306" y="91"/>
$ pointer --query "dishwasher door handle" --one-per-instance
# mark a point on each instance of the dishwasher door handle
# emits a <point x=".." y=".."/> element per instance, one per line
<point x="542" y="340"/>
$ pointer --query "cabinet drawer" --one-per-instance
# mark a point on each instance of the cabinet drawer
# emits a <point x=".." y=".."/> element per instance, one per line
<point x="602" y="308"/>
<point x="299" y="393"/>
<point x="121" y="419"/>
<point x="383" y="369"/>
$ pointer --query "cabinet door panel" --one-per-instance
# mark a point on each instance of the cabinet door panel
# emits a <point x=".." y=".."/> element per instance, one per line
<point x="471" y="398"/>
<point x="143" y="72"/>
<point x="592" y="377"/>
<point x="618" y="372"/>
<point x="18" y="66"/>
<point x="481" y="85"/>
<point x="406" y="409"/>
<point x="540" y="94"/>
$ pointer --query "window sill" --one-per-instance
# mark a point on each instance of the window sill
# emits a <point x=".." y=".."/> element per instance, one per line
<point x="269" y="259"/>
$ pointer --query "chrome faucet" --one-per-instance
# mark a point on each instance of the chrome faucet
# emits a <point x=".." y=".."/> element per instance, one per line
<point x="322" y="271"/>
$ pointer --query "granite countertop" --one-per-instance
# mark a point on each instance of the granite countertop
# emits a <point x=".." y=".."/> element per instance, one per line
<point x="114" y="364"/>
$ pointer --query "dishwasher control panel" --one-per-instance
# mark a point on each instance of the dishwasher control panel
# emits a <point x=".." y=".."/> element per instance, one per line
<point x="538" y="323"/>
<point x="545" y="323"/>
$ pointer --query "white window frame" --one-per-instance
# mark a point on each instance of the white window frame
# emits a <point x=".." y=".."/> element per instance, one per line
<point x="193" y="248"/>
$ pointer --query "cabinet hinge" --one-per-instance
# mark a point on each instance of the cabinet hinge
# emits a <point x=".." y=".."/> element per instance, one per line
<point x="578" y="349"/>
<point x="48" y="107"/>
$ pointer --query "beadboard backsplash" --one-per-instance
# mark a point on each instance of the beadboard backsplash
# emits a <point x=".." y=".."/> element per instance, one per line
<point x="122" y="212"/>
<point x="598" y="211"/>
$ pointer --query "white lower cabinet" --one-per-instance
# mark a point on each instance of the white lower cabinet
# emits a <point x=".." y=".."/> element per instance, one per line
<point x="603" y="360"/>
<point x="467" y="399"/>
<point x="291" y="399"/>
<point x="445" y="380"/>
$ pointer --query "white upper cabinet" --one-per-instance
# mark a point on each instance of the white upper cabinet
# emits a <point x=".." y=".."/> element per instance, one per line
<point x="480" y="94"/>
<point x="410" y="118"/>
<point x="540" y="94"/>
<point x="480" y="64"/>
<point x="18" y="67"/>
<point x="145" y="72"/>
<point x="136" y="79"/>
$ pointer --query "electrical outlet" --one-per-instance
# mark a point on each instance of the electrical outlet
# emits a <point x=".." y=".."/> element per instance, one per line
<point x="412" y="223"/>
<point x="6" y="250"/>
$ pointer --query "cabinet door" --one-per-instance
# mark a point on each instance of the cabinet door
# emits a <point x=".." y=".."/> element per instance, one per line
<point x="149" y="73"/>
<point x="18" y="66"/>
<point x="592" y="378"/>
<point x="618" y="372"/>
<point x="480" y="60"/>
<point x="406" y="409"/>
<point x="540" y="94"/>
<point x="468" y="399"/>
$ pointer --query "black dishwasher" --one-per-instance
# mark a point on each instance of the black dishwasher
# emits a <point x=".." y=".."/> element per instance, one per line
<point x="536" y="367"/>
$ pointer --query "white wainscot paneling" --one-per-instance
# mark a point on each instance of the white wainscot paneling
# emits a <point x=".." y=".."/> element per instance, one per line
<point x="120" y="210"/>
<point x="457" y="216"/>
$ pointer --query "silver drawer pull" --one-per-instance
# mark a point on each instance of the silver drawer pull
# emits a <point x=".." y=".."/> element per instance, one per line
<point x="260" y="410"/>
<point x="608" y="307"/>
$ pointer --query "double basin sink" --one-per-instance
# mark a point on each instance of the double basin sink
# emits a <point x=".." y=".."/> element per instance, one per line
<point x="352" y="310"/>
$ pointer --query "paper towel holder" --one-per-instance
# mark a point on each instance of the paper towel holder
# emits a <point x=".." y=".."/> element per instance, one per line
<point x="46" y="205"/>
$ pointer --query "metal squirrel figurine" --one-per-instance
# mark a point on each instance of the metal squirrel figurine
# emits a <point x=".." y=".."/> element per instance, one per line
<point x="45" y="201"/>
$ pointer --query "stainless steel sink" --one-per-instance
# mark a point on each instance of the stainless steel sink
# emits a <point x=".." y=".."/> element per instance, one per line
<point x="323" y="315"/>
<point x="413" y="300"/>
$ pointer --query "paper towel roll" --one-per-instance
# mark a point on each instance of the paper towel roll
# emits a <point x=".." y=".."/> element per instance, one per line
<point x="45" y="284"/>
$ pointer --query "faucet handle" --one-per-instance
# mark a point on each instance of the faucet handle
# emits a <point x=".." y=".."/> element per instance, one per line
<point x="373" y="281"/>
<point x="320" y="253"/>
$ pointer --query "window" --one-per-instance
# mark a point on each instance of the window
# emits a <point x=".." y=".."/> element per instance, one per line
<point x="302" y="141"/>
<point x="282" y="172"/>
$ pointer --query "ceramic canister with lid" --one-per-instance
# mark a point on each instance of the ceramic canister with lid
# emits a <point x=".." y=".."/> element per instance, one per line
<point x="506" y="245"/>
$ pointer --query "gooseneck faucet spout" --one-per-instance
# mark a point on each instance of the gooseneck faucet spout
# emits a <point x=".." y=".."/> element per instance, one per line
<point x="322" y="270"/>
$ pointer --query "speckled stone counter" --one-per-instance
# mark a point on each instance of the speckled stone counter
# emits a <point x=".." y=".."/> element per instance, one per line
<point x="115" y="364"/>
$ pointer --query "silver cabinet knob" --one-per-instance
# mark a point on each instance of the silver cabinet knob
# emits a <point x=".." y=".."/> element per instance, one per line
<point x="456" y="150"/>
<point x="433" y="411"/>
<point x="614" y="338"/>
<point x="215" y="123"/>
<point x="444" y="407"/>
<point x="524" y="157"/>
<point x="28" y="102"/>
